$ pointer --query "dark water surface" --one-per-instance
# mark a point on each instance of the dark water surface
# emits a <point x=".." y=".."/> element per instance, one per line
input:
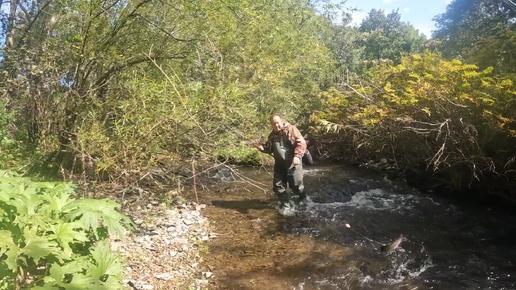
<point x="447" y="246"/>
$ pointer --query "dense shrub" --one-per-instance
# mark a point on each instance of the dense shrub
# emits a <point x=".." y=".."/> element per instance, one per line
<point x="443" y="116"/>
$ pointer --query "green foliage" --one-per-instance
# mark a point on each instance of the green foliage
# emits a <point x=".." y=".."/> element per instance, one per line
<point x="346" y="43"/>
<point x="13" y="152"/>
<point x="387" y="38"/>
<point x="4" y="121"/>
<point x="334" y="105"/>
<point x="446" y="115"/>
<point x="275" y="53"/>
<point x="245" y="155"/>
<point x="106" y="90"/>
<point x="49" y="240"/>
<point x="479" y="32"/>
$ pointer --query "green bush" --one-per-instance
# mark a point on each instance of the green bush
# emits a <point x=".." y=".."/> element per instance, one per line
<point x="241" y="155"/>
<point x="49" y="240"/>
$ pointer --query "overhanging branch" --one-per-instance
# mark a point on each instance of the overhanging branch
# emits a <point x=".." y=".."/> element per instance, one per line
<point x="116" y="68"/>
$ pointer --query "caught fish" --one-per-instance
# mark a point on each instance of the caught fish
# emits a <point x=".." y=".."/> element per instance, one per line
<point x="393" y="245"/>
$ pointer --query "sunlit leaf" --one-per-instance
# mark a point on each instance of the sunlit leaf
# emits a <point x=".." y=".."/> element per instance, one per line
<point x="37" y="246"/>
<point x="9" y="249"/>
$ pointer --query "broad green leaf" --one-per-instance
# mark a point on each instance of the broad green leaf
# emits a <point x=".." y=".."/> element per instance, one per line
<point x="8" y="186"/>
<point x="5" y="191"/>
<point x="56" y="273"/>
<point x="92" y="214"/>
<point x="26" y="205"/>
<point x="37" y="247"/>
<point x="65" y="234"/>
<point x="81" y="282"/>
<point x="45" y="287"/>
<point x="78" y="264"/>
<point x="9" y="248"/>
<point x="106" y="261"/>
<point x="56" y="200"/>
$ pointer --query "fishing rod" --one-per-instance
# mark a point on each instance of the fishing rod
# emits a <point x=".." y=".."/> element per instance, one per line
<point x="511" y="4"/>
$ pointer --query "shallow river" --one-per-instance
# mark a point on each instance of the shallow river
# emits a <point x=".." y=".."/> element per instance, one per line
<point x="447" y="246"/>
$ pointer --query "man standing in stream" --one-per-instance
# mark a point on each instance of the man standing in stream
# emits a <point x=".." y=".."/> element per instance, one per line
<point x="287" y="145"/>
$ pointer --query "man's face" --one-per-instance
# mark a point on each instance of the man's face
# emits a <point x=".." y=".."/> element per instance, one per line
<point x="276" y="123"/>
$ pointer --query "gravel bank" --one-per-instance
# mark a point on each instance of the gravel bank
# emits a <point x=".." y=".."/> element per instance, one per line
<point x="166" y="250"/>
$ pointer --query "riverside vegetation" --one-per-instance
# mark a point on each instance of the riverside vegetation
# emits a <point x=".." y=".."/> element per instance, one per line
<point x="134" y="94"/>
<point x="49" y="240"/>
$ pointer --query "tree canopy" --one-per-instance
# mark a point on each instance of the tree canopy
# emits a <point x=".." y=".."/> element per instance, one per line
<point x="387" y="37"/>
<point x="482" y="32"/>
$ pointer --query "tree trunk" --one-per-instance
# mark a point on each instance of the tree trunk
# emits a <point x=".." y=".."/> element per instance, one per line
<point x="10" y="24"/>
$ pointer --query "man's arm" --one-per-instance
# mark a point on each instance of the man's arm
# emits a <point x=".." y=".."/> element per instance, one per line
<point x="299" y="145"/>
<point x="265" y="147"/>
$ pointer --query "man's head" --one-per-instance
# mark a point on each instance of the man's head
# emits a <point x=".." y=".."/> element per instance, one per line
<point x="276" y="123"/>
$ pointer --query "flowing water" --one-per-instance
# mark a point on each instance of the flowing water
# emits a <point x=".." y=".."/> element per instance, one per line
<point x="447" y="246"/>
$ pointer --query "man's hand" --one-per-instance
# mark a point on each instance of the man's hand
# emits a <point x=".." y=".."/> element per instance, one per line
<point x="258" y="146"/>
<point x="296" y="161"/>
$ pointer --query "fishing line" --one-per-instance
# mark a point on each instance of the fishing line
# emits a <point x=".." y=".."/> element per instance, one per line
<point x="368" y="239"/>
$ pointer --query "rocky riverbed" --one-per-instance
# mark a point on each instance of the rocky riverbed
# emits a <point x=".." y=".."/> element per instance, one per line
<point x="166" y="250"/>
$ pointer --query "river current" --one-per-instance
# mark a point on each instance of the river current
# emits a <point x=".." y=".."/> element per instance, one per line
<point x="447" y="245"/>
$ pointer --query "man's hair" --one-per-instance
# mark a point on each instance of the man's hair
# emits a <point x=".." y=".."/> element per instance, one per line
<point x="275" y="115"/>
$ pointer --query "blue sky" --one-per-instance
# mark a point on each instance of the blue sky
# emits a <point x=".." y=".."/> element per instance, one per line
<point x="419" y="13"/>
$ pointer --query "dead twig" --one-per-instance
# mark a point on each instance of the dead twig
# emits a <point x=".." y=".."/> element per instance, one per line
<point x="194" y="183"/>
<point x="206" y="170"/>
<point x="252" y="182"/>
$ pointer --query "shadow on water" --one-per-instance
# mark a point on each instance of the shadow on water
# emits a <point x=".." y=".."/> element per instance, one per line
<point x="242" y="206"/>
<point x="447" y="247"/>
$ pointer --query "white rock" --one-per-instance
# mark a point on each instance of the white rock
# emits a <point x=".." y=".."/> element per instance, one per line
<point x="164" y="276"/>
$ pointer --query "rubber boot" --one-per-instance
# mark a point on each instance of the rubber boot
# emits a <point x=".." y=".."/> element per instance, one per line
<point x="284" y="199"/>
<point x="302" y="198"/>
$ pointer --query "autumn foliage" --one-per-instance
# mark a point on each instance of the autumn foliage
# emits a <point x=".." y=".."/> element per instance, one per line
<point x="447" y="118"/>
